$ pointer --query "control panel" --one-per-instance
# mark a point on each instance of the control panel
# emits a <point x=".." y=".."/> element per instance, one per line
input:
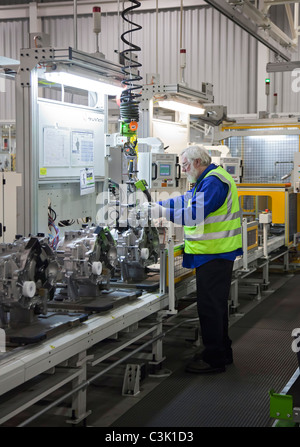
<point x="233" y="165"/>
<point x="160" y="170"/>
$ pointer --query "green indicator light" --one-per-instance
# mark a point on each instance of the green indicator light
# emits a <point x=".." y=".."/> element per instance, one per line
<point x="267" y="81"/>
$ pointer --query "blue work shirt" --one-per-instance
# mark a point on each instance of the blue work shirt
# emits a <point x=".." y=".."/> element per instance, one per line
<point x="209" y="194"/>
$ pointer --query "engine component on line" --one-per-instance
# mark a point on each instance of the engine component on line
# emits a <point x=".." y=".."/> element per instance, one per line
<point x="28" y="274"/>
<point x="137" y="249"/>
<point x="137" y="239"/>
<point x="87" y="258"/>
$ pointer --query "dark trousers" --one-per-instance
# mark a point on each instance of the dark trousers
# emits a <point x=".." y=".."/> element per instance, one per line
<point x="213" y="288"/>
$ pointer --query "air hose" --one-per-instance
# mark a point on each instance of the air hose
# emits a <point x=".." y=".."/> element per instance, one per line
<point x="129" y="103"/>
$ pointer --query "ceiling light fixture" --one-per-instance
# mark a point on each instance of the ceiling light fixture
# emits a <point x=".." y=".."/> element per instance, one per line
<point x="81" y="81"/>
<point x="182" y="106"/>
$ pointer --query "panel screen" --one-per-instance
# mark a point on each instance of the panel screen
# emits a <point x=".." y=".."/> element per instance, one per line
<point x="230" y="169"/>
<point x="164" y="169"/>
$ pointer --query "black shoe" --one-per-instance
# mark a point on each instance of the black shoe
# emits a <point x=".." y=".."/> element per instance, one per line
<point x="199" y="356"/>
<point x="201" y="367"/>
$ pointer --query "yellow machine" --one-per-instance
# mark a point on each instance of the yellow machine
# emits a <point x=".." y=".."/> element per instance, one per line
<point x="272" y="144"/>
<point x="279" y="199"/>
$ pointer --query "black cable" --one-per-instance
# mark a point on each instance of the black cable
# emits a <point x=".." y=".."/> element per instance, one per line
<point x="52" y="213"/>
<point x="129" y="103"/>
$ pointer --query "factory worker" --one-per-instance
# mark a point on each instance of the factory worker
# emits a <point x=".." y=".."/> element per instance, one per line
<point x="210" y="215"/>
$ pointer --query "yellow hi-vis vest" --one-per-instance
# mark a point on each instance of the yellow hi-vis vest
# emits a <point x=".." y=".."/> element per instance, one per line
<point x="220" y="232"/>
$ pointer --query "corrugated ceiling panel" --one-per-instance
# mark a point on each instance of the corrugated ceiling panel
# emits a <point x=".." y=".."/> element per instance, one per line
<point x="218" y="51"/>
<point x="221" y="53"/>
<point x="285" y="84"/>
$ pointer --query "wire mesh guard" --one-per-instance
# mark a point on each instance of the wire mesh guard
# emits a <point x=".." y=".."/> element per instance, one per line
<point x="180" y="272"/>
<point x="266" y="158"/>
<point x="252" y="236"/>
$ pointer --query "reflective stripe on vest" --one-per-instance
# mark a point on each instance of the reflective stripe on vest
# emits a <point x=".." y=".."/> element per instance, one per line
<point x="217" y="235"/>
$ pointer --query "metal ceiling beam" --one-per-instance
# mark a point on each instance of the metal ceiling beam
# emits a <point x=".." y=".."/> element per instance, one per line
<point x="260" y="30"/>
<point x="275" y="67"/>
<point x="268" y="4"/>
<point x="291" y="21"/>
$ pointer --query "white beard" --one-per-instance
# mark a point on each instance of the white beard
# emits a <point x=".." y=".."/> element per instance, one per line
<point x="192" y="176"/>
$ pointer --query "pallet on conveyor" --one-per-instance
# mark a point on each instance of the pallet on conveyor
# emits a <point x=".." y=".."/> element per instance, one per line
<point x="150" y="284"/>
<point x="44" y="327"/>
<point x="105" y="301"/>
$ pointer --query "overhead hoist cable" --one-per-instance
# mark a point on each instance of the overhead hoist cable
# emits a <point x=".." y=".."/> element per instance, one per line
<point x="129" y="101"/>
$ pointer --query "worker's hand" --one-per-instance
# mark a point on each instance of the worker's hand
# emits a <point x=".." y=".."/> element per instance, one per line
<point x="155" y="211"/>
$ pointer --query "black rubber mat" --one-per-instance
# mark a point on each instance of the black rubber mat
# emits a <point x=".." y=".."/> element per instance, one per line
<point x="263" y="360"/>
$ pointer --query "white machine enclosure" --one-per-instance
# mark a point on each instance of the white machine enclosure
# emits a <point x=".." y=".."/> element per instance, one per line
<point x="9" y="183"/>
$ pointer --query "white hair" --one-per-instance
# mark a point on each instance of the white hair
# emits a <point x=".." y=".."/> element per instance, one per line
<point x="197" y="152"/>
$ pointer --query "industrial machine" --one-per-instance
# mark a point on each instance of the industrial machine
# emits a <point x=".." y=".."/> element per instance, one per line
<point x="137" y="239"/>
<point x="89" y="262"/>
<point x="159" y="169"/>
<point x="137" y="248"/>
<point x="87" y="258"/>
<point x="220" y="155"/>
<point x="295" y="174"/>
<point x="29" y="271"/>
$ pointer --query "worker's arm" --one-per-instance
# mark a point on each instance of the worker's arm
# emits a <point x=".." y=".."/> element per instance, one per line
<point x="208" y="198"/>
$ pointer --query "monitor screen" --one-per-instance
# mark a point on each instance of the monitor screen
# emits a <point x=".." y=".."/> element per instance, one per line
<point x="230" y="169"/>
<point x="164" y="169"/>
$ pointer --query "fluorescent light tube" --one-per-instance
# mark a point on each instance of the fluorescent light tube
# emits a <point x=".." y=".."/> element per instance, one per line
<point x="182" y="107"/>
<point x="6" y="61"/>
<point x="76" y="81"/>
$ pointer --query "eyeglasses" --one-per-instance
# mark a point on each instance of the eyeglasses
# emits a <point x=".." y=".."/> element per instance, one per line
<point x="185" y="164"/>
